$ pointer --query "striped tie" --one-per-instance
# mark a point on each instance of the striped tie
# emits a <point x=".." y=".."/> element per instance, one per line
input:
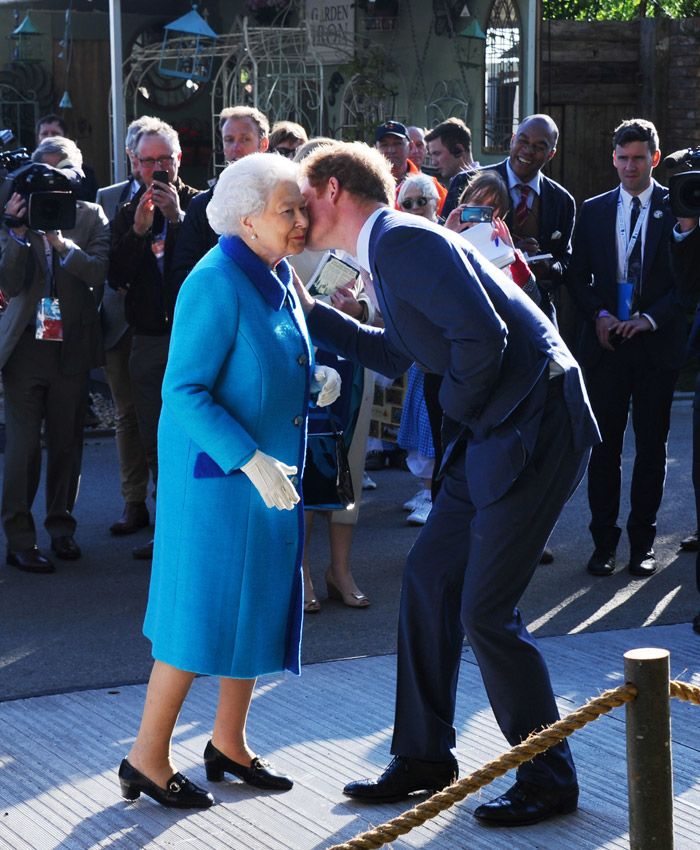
<point x="521" y="210"/>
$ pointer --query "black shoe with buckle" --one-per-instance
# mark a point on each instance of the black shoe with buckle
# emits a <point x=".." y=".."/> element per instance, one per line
<point x="259" y="773"/>
<point x="525" y="803"/>
<point x="30" y="560"/>
<point x="179" y="792"/>
<point x="403" y="776"/>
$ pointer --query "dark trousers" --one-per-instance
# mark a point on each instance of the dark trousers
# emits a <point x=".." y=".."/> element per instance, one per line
<point x="147" y="362"/>
<point x="465" y="576"/>
<point x="36" y="390"/>
<point x="696" y="467"/>
<point x="618" y="378"/>
<point x="431" y="394"/>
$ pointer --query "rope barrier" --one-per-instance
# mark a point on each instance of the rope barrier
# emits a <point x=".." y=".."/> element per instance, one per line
<point x="684" y="691"/>
<point x="532" y="746"/>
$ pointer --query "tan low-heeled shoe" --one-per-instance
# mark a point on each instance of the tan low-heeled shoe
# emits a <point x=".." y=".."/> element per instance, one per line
<point x="312" y="606"/>
<point x="352" y="600"/>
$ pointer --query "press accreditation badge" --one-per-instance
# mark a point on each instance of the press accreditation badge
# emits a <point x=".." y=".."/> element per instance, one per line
<point x="49" y="325"/>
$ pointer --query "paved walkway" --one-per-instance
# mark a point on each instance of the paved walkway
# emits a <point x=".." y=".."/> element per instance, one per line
<point x="59" y="754"/>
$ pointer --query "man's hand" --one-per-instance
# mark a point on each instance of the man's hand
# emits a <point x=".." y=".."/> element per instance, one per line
<point x="686" y="224"/>
<point x="632" y="327"/>
<point x="528" y="245"/>
<point x="57" y="242"/>
<point x="17" y="208"/>
<point x="343" y="299"/>
<point x="143" y="216"/>
<point x="604" y="326"/>
<point x="166" y="198"/>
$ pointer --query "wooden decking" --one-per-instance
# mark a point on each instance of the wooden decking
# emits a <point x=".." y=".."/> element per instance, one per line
<point x="59" y="755"/>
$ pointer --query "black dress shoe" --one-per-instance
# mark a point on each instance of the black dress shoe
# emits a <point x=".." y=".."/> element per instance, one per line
<point x="30" y="561"/>
<point x="690" y="543"/>
<point x="547" y="556"/>
<point x="143" y="553"/>
<point x="403" y="776"/>
<point x="696" y="624"/>
<point x="260" y="773"/>
<point x="642" y="564"/>
<point x="525" y="803"/>
<point x="601" y="563"/>
<point x="179" y="792"/>
<point x="65" y="548"/>
<point x="134" y="517"/>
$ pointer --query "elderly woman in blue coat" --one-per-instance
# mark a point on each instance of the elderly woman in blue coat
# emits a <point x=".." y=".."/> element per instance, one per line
<point x="226" y="589"/>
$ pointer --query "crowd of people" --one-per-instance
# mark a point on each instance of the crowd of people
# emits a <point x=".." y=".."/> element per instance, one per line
<point x="218" y="350"/>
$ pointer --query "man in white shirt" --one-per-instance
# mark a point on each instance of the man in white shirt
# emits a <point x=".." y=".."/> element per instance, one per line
<point x="632" y="344"/>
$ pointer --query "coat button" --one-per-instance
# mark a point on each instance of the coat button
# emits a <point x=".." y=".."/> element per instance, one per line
<point x="297" y="420"/>
<point x="302" y="360"/>
<point x="294" y="479"/>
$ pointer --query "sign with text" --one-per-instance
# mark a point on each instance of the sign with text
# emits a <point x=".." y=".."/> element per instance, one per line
<point x="332" y="25"/>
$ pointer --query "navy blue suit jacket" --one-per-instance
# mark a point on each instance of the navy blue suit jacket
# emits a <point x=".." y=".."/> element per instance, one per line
<point x="457" y="315"/>
<point x="592" y="278"/>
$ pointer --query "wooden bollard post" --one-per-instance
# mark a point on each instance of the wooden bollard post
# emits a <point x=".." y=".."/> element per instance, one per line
<point x="649" y="772"/>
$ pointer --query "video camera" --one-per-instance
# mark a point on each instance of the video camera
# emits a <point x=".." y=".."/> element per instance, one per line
<point x="684" y="187"/>
<point x="49" y="191"/>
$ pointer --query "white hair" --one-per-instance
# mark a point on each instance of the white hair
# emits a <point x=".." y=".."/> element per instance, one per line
<point x="244" y="188"/>
<point x="150" y="127"/>
<point x="423" y="182"/>
<point x="67" y="149"/>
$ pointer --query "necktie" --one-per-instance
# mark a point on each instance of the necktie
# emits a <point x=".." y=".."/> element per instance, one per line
<point x="634" y="264"/>
<point x="521" y="210"/>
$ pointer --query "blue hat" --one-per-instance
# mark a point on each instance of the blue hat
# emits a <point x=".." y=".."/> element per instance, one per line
<point x="391" y="128"/>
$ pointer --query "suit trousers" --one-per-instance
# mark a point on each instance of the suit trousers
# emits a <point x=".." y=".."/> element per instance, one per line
<point x="36" y="390"/>
<point x="619" y="377"/>
<point x="133" y="467"/>
<point x="696" y="466"/>
<point x="464" y="577"/>
<point x="147" y="362"/>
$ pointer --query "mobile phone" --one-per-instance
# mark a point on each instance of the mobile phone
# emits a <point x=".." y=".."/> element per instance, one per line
<point x="476" y="214"/>
<point x="161" y="176"/>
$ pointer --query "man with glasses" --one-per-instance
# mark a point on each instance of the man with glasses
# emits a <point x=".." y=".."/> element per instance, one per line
<point x="392" y="141"/>
<point x="143" y="240"/>
<point x="244" y="130"/>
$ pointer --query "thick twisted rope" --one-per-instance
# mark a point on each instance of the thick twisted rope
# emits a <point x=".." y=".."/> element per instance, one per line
<point x="684" y="691"/>
<point x="532" y="746"/>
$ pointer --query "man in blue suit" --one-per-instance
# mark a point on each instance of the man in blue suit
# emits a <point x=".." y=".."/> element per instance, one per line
<point x="632" y="342"/>
<point x="517" y="431"/>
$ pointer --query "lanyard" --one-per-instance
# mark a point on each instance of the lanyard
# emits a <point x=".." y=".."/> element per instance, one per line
<point x="630" y="241"/>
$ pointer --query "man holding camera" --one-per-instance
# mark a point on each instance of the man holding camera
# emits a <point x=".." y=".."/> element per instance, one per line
<point x="144" y="233"/>
<point x="49" y="340"/>
<point x="632" y="342"/>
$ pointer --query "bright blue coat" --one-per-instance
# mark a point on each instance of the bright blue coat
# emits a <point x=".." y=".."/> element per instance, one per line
<point x="226" y="587"/>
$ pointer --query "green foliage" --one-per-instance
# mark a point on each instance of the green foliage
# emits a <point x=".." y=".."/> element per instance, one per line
<point x="617" y="10"/>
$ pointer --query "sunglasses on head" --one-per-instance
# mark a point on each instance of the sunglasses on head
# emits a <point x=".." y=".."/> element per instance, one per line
<point x="409" y="203"/>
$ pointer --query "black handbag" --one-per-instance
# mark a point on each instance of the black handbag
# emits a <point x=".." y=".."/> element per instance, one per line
<point x="327" y="483"/>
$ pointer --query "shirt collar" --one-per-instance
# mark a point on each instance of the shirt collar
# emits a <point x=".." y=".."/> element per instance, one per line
<point x="643" y="196"/>
<point x="362" y="256"/>
<point x="514" y="180"/>
<point x="272" y="284"/>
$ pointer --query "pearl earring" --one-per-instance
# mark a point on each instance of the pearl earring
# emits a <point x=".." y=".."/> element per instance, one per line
<point x="253" y="236"/>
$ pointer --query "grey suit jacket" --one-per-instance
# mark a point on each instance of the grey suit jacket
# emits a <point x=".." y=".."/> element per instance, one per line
<point x="78" y="283"/>
<point x="114" y="324"/>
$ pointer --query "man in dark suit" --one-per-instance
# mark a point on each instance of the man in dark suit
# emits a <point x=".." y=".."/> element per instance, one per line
<point x="517" y="431"/>
<point x="632" y="342"/>
<point x="133" y="467"/>
<point x="45" y="365"/>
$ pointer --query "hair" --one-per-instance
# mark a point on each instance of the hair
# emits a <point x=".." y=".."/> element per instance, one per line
<point x="421" y="130"/>
<point x="51" y="119"/>
<point x="68" y="150"/>
<point x="487" y="183"/>
<point x="244" y="188"/>
<point x="549" y="123"/>
<point x="358" y="168"/>
<point x="286" y="131"/>
<point x="133" y="130"/>
<point x="310" y="146"/>
<point x="155" y="127"/>
<point x="636" y="130"/>
<point x="423" y="182"/>
<point x="452" y="133"/>
<point x="255" y="116"/>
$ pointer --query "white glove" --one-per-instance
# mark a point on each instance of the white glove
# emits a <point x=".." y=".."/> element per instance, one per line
<point x="270" y="477"/>
<point x="329" y="382"/>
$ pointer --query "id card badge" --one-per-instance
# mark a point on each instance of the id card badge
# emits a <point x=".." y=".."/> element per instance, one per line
<point x="49" y="325"/>
<point x="625" y="291"/>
